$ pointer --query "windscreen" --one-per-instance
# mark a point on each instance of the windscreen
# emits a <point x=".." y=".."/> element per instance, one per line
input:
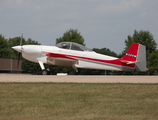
<point x="72" y="46"/>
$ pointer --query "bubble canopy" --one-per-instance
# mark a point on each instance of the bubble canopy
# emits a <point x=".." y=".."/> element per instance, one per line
<point x="72" y="46"/>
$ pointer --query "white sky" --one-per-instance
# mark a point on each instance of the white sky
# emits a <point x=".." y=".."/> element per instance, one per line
<point x="102" y="23"/>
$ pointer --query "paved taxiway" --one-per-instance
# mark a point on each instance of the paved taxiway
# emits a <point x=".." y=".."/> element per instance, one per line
<point x="77" y="78"/>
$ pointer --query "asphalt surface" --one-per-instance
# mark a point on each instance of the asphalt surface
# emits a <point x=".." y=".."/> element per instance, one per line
<point x="77" y="78"/>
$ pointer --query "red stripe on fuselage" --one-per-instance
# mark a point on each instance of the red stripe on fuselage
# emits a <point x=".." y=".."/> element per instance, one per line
<point x="72" y="57"/>
<point x="59" y="56"/>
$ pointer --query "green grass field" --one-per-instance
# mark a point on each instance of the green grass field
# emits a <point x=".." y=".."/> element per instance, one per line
<point x="74" y="101"/>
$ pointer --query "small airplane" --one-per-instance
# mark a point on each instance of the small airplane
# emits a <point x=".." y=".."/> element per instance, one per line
<point x="70" y="54"/>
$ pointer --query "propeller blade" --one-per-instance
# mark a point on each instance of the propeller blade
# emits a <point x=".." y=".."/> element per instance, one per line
<point x="18" y="59"/>
<point x="21" y="50"/>
<point x="21" y="39"/>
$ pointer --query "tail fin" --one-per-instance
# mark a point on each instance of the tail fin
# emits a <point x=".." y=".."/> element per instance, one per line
<point x="136" y="54"/>
<point x="131" y="54"/>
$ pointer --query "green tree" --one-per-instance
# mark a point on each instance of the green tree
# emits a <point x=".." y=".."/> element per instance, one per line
<point x="71" y="36"/>
<point x="142" y="37"/>
<point x="91" y="72"/>
<point x="5" y="51"/>
<point x="3" y="42"/>
<point x="105" y="51"/>
<point x="153" y="63"/>
<point x="32" y="42"/>
<point x="145" y="38"/>
<point x="16" y="41"/>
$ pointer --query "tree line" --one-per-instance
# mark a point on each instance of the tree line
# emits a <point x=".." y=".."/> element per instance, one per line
<point x="142" y="37"/>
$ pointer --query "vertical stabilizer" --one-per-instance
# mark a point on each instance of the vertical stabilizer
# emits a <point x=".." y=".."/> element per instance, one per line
<point x="131" y="54"/>
<point x="136" y="54"/>
<point x="141" y="57"/>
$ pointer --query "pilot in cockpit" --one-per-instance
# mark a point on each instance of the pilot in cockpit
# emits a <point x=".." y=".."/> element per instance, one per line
<point x="63" y="45"/>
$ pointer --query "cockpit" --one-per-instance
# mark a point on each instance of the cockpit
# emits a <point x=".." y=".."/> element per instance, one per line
<point x="72" y="46"/>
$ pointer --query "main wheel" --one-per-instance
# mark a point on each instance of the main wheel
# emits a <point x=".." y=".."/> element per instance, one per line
<point x="44" y="72"/>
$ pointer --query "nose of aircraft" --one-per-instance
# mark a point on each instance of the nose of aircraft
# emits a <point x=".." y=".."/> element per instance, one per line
<point x="17" y="48"/>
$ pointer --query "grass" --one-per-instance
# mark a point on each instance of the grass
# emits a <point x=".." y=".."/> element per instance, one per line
<point x="74" y="101"/>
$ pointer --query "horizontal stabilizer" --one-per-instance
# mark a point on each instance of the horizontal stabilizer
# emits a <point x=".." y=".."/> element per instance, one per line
<point x="130" y="62"/>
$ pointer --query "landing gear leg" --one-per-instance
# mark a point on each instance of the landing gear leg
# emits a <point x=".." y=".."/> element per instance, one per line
<point x="44" y="71"/>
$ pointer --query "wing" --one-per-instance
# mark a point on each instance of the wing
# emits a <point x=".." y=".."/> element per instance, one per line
<point x="61" y="60"/>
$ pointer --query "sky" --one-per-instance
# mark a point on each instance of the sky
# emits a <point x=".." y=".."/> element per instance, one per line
<point x="102" y="23"/>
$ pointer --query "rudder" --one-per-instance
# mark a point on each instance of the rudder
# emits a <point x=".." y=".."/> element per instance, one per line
<point x="141" y="57"/>
<point x="136" y="54"/>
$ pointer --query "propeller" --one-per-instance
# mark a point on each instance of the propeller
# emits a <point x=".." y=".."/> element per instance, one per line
<point x="21" y="50"/>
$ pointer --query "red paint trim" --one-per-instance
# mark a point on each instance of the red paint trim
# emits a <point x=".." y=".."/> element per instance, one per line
<point x="59" y="56"/>
<point x="131" y="54"/>
<point x="114" y="62"/>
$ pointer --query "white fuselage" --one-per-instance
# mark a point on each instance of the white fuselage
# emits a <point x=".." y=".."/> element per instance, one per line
<point x="86" y="59"/>
<point x="70" y="54"/>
